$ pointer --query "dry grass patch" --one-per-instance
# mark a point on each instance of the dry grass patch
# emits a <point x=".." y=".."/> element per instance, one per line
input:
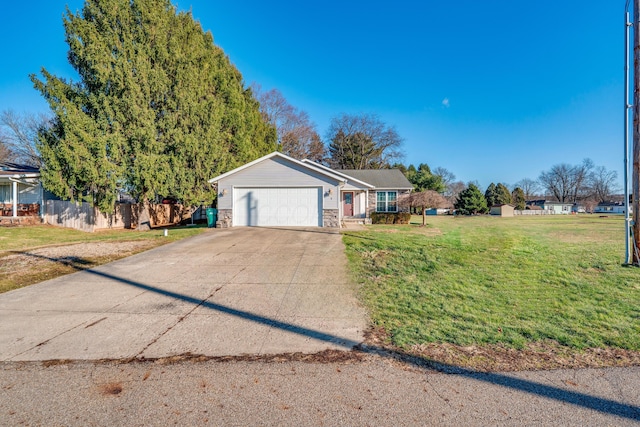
<point x="534" y="356"/>
<point x="32" y="254"/>
<point x="22" y="268"/>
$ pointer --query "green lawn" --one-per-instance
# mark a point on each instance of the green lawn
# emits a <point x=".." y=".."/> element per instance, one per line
<point x="23" y="238"/>
<point x="508" y="281"/>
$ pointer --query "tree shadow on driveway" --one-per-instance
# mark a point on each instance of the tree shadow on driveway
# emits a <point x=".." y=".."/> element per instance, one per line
<point x="595" y="403"/>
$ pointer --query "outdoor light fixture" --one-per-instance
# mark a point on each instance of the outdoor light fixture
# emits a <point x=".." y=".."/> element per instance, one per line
<point x="224" y="192"/>
<point x="330" y="192"/>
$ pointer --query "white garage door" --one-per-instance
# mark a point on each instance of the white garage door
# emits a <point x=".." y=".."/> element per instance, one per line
<point x="277" y="207"/>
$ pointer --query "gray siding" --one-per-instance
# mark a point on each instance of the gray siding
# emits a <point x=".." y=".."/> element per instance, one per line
<point x="277" y="172"/>
<point x="352" y="185"/>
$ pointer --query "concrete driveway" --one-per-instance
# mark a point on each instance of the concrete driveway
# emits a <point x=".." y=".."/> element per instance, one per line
<point x="225" y="292"/>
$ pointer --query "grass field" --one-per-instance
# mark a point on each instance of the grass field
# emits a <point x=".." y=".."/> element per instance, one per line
<point x="32" y="254"/>
<point x="505" y="281"/>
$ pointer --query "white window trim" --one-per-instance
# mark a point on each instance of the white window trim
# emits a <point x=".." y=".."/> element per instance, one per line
<point x="386" y="200"/>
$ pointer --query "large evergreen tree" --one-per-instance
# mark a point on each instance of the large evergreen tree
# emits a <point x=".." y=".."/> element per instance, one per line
<point x="158" y="110"/>
<point x="424" y="180"/>
<point x="491" y="195"/>
<point x="471" y="201"/>
<point x="518" y="198"/>
<point x="503" y="195"/>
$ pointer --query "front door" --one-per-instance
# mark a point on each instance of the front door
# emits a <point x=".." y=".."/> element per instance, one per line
<point x="347" y="204"/>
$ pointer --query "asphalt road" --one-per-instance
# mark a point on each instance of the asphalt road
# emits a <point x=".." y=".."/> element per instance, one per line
<point x="373" y="391"/>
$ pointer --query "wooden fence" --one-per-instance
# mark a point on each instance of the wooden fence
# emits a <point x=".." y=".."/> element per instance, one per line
<point x="82" y="216"/>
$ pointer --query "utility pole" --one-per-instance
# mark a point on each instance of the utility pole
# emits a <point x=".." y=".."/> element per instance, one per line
<point x="636" y="132"/>
<point x="628" y="256"/>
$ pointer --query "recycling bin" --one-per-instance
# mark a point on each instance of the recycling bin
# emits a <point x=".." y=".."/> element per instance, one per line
<point x="212" y="216"/>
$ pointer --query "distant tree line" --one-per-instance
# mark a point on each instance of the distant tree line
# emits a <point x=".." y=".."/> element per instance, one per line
<point x="584" y="184"/>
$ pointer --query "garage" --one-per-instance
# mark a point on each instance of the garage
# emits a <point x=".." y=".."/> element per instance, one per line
<point x="278" y="191"/>
<point x="277" y="206"/>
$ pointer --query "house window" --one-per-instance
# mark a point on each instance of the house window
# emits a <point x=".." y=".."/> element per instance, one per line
<point x="387" y="201"/>
<point x="5" y="193"/>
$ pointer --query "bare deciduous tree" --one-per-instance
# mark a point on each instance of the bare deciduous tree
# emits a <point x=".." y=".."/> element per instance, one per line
<point x="297" y="134"/>
<point x="567" y="183"/>
<point x="19" y="135"/>
<point x="603" y="184"/>
<point x="362" y="142"/>
<point x="581" y="175"/>
<point x="530" y="187"/>
<point x="6" y="155"/>
<point x="453" y="190"/>
<point x="445" y="175"/>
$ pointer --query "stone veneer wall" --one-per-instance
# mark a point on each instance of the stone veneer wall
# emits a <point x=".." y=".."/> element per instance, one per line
<point x="330" y="218"/>
<point x="372" y="203"/>
<point x="225" y="218"/>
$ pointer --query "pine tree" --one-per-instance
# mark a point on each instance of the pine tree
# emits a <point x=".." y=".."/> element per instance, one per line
<point x="426" y="180"/>
<point x="471" y="201"/>
<point x="503" y="195"/>
<point x="491" y="195"/>
<point x="158" y="110"/>
<point x="518" y="198"/>
<point x="423" y="179"/>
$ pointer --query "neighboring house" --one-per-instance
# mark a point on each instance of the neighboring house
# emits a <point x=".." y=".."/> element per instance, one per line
<point x="552" y="207"/>
<point x="20" y="190"/>
<point x="611" y="208"/>
<point x="504" y="210"/>
<point x="438" y="211"/>
<point x="278" y="190"/>
<point x="578" y="208"/>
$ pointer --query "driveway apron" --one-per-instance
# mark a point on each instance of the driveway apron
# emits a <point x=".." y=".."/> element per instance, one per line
<point x="225" y="292"/>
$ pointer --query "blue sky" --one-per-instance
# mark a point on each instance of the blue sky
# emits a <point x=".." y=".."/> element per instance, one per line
<point x="493" y="90"/>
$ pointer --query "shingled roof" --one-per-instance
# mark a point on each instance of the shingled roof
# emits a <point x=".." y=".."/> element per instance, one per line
<point x="380" y="178"/>
<point x="7" y="168"/>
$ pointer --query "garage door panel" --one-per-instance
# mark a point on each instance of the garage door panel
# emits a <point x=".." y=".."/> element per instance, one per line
<point x="277" y="206"/>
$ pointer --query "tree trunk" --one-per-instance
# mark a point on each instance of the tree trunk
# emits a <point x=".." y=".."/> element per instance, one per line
<point x="424" y="216"/>
<point x="144" y="219"/>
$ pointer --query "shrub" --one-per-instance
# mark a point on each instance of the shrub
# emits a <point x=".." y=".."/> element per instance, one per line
<point x="403" y="218"/>
<point x="390" y="218"/>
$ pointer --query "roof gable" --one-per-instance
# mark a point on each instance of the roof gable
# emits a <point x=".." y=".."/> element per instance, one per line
<point x="277" y="154"/>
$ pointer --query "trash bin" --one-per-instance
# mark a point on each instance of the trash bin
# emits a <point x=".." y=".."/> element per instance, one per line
<point x="212" y="215"/>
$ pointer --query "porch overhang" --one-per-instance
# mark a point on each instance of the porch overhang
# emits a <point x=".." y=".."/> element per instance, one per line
<point x="27" y="179"/>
